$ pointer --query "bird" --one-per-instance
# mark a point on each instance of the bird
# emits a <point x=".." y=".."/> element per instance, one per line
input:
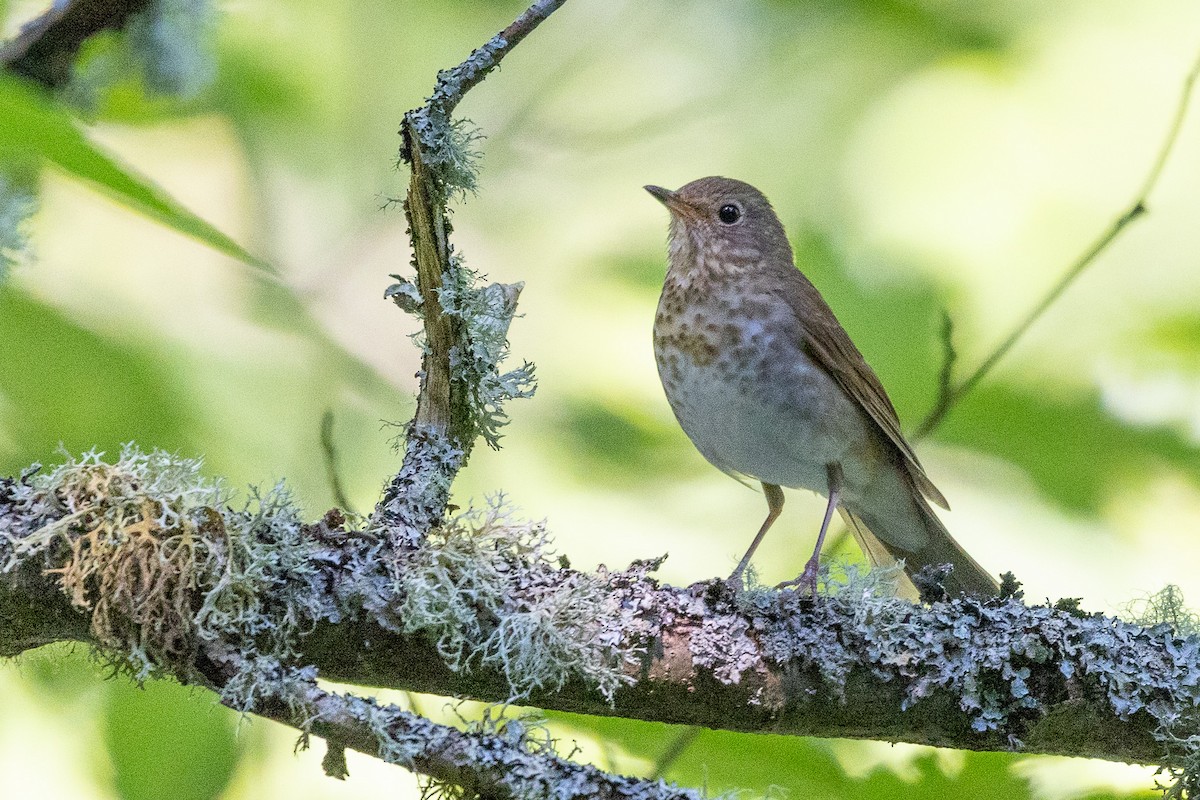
<point x="769" y="387"/>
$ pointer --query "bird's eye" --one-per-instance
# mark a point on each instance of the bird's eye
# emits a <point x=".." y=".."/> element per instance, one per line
<point x="729" y="213"/>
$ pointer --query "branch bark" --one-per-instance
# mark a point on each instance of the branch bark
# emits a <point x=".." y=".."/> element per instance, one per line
<point x="443" y="430"/>
<point x="983" y="676"/>
<point x="503" y="762"/>
<point x="45" y="49"/>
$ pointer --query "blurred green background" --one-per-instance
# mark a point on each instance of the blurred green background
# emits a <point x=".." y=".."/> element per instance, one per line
<point x="924" y="155"/>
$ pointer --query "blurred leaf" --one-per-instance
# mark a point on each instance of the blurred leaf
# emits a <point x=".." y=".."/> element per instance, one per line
<point x="60" y="383"/>
<point x="1067" y="444"/>
<point x="64" y="672"/>
<point x="794" y="766"/>
<point x="167" y="740"/>
<point x="110" y="85"/>
<point x="621" y="445"/>
<point x="1178" y="335"/>
<point x="895" y="326"/>
<point x="637" y="272"/>
<point x="32" y="125"/>
<point x="250" y="84"/>
<point x="960" y="26"/>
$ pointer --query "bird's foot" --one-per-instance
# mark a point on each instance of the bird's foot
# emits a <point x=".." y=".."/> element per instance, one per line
<point x="735" y="584"/>
<point x="807" y="579"/>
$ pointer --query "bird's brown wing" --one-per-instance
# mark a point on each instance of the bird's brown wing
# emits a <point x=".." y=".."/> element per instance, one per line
<point x="827" y="342"/>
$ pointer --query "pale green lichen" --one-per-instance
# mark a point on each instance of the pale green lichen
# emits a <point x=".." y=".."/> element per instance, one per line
<point x="485" y="313"/>
<point x="495" y="757"/>
<point x="415" y="500"/>
<point x="1177" y="731"/>
<point x="18" y="202"/>
<point x="1164" y="607"/>
<point x="447" y="145"/>
<point x="488" y="592"/>
<point x="135" y="542"/>
<point x="169" y="45"/>
<point x="990" y="655"/>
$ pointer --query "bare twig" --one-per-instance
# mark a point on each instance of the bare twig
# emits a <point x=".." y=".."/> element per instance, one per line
<point x="45" y="48"/>
<point x="1136" y="210"/>
<point x="946" y="376"/>
<point x="453" y="84"/>
<point x="678" y="746"/>
<point x="329" y="450"/>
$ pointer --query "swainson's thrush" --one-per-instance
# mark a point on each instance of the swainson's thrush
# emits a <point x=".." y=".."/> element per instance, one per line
<point x="767" y="384"/>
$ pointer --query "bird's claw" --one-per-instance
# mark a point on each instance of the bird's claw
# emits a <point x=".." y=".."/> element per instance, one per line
<point x="807" y="579"/>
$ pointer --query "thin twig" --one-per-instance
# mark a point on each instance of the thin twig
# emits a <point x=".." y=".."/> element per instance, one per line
<point x="1136" y="210"/>
<point x="949" y="357"/>
<point x="329" y="450"/>
<point x="497" y="765"/>
<point x="675" y="749"/>
<point x="454" y="84"/>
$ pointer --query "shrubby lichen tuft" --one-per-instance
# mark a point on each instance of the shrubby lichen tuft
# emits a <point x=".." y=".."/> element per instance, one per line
<point x="150" y="548"/>
<point x="1165" y="607"/>
<point x="449" y="149"/>
<point x="486" y="313"/>
<point x="447" y="145"/>
<point x="489" y="593"/>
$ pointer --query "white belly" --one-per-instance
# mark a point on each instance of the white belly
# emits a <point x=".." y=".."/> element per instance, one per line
<point x="784" y="430"/>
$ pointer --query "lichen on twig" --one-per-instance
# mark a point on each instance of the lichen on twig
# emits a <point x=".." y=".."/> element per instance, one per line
<point x="463" y="390"/>
<point x="488" y="591"/>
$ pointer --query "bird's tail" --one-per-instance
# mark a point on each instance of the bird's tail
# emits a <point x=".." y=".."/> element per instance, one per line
<point x="880" y="538"/>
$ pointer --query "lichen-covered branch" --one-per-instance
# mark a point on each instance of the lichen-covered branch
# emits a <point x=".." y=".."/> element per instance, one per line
<point x="465" y="326"/>
<point x="45" y="48"/>
<point x="152" y="565"/>
<point x="505" y="759"/>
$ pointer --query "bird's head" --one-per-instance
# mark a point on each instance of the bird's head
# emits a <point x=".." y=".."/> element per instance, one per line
<point x="722" y="219"/>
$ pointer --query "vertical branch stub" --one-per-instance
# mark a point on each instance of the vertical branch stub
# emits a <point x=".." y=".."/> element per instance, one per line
<point x="424" y="208"/>
<point x="456" y="403"/>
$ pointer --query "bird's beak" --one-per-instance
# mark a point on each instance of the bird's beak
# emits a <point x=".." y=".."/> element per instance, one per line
<point x="674" y="203"/>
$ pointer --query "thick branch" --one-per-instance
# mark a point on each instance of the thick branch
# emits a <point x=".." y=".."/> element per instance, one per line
<point x="45" y="48"/>
<point x="480" y="609"/>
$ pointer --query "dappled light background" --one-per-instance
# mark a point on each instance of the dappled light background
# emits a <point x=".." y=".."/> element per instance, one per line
<point x="925" y="155"/>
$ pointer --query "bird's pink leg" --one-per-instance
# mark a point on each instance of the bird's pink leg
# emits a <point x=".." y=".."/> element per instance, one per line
<point x="809" y="576"/>
<point x="774" y="508"/>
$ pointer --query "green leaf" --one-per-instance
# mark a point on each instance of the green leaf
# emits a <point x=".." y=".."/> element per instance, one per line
<point x="63" y="384"/>
<point x="764" y="765"/>
<point x="166" y="740"/>
<point x="1067" y="442"/>
<point x="33" y="127"/>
